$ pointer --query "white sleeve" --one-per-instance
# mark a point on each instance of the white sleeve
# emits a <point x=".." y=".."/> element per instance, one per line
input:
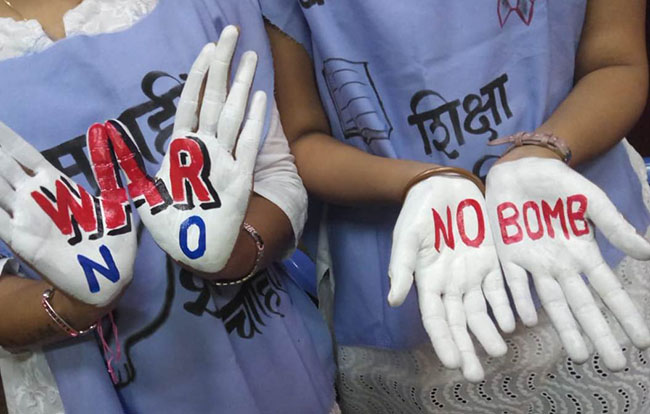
<point x="277" y="179"/>
<point x="8" y="265"/>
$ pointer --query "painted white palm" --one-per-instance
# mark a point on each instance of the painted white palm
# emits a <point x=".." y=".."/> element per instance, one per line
<point x="442" y="238"/>
<point x="542" y="213"/>
<point x="206" y="176"/>
<point x="58" y="228"/>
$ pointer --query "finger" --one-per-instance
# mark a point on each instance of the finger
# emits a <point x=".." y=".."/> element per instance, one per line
<point x="249" y="139"/>
<point x="403" y="257"/>
<point x="470" y="364"/>
<point x="481" y="325"/>
<point x="517" y="280"/>
<point x="556" y="307"/>
<point x="102" y="162"/>
<point x="609" y="287"/>
<point x="7" y="196"/>
<point x="186" y="114"/>
<point x="435" y="323"/>
<point x="592" y="321"/>
<point x="116" y="130"/>
<point x="10" y="170"/>
<point x="235" y="106"/>
<point x="495" y="292"/>
<point x="15" y="146"/>
<point x="216" y="88"/>
<point x="613" y="225"/>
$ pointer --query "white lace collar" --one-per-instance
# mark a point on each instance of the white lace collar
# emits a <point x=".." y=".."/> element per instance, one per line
<point x="19" y="38"/>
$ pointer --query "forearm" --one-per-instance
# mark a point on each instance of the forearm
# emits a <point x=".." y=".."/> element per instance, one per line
<point x="611" y="82"/>
<point x="274" y="228"/>
<point x="25" y="323"/>
<point x="601" y="109"/>
<point x="331" y="170"/>
<point x="341" y="174"/>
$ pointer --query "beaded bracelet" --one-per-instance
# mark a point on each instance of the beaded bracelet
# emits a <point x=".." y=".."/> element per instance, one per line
<point x="60" y="322"/>
<point x="540" y="139"/>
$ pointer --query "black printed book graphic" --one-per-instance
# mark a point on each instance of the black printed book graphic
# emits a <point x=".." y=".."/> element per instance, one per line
<point x="359" y="108"/>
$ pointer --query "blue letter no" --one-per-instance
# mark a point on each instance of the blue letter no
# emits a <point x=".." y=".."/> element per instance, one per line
<point x="109" y="271"/>
<point x="199" y="251"/>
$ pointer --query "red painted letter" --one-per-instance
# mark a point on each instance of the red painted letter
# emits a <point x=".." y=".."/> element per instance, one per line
<point x="504" y="222"/>
<point x="460" y="218"/>
<point x="67" y="207"/>
<point x="578" y="214"/>
<point x="556" y="212"/>
<point x="186" y="165"/>
<point x="531" y="205"/>
<point x="446" y="231"/>
<point x="103" y="141"/>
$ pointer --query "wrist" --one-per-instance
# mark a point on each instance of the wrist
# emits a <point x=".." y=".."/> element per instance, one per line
<point x="534" y="144"/>
<point x="405" y="176"/>
<point x="444" y="171"/>
<point x="77" y="314"/>
<point x="528" y="151"/>
<point x="242" y="261"/>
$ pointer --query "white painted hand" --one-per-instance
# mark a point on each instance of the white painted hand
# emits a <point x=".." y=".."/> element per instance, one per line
<point x="542" y="214"/>
<point x="58" y="228"/>
<point x="196" y="207"/>
<point x="443" y="236"/>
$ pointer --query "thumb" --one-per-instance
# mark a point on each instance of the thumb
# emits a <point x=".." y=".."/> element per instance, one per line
<point x="613" y="225"/>
<point x="402" y="264"/>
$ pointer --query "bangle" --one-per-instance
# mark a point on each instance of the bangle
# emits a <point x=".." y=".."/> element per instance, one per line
<point x="540" y="139"/>
<point x="259" y="245"/>
<point x="60" y="322"/>
<point x="442" y="170"/>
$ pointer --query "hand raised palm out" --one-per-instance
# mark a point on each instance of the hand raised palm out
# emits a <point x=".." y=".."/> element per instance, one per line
<point x="58" y="228"/>
<point x="195" y="205"/>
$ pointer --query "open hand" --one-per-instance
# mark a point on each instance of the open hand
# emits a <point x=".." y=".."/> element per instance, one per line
<point x="542" y="213"/>
<point x="195" y="205"/>
<point x="58" y="228"/>
<point x="443" y="236"/>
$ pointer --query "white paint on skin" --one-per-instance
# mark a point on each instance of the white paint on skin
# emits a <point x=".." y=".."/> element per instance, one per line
<point x="442" y="240"/>
<point x="561" y="247"/>
<point x="43" y="234"/>
<point x="231" y="155"/>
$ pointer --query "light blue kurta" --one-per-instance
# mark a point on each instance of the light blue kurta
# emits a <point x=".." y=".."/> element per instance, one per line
<point x="188" y="347"/>
<point x="434" y="81"/>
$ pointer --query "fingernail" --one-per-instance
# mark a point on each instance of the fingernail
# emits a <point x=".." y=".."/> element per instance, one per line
<point x="249" y="55"/>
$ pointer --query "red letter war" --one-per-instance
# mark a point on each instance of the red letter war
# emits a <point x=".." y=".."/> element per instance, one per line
<point x="65" y="206"/>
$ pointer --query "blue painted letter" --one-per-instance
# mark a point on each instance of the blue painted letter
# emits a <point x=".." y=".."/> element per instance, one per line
<point x="90" y="267"/>
<point x="200" y="248"/>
